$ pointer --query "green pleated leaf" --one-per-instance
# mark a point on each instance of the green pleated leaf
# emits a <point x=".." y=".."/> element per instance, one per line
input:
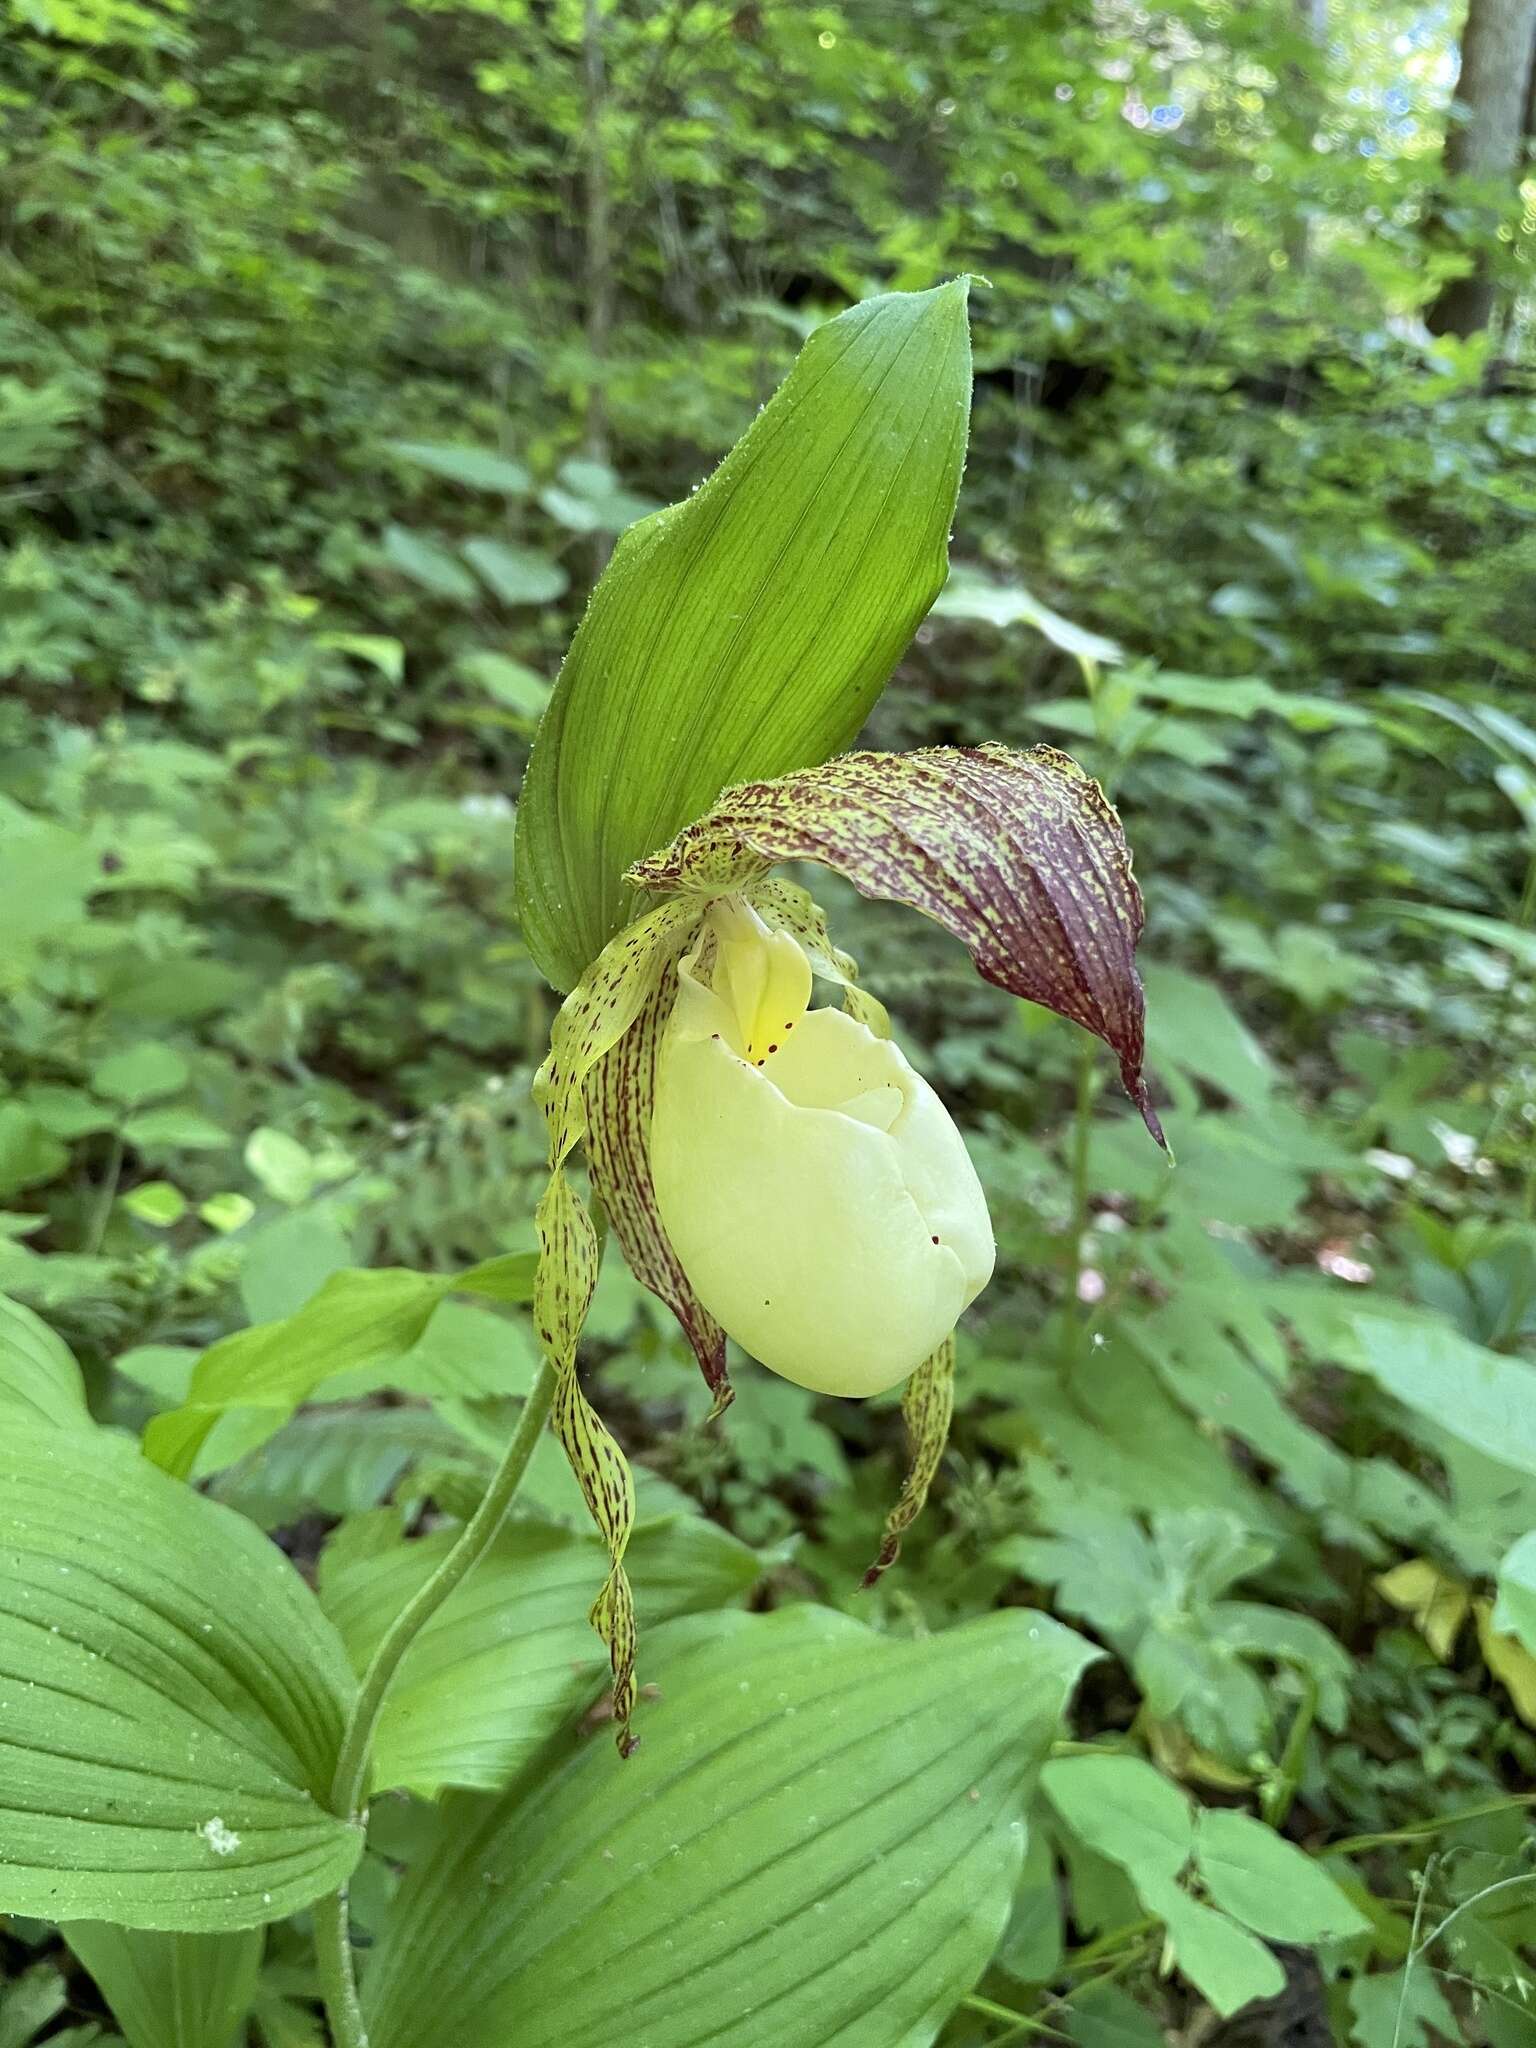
<point x="1268" y="1883"/>
<point x="171" y="1990"/>
<point x="749" y="629"/>
<point x="1229" y="1966"/>
<point x="39" y="1379"/>
<point x="367" y="1323"/>
<point x="509" y="1656"/>
<point x="1019" y="855"/>
<point x="356" y="1320"/>
<point x="335" y="1462"/>
<point x="171" y="1700"/>
<point x="517" y="575"/>
<point x="477" y="469"/>
<point x="817" y="1842"/>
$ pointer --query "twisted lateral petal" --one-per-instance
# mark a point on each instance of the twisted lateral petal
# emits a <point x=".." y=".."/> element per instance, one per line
<point x="619" y="1096"/>
<point x="598" y="1012"/>
<point x="594" y="1019"/>
<point x="1020" y="855"/>
<point x="927" y="1406"/>
<point x="563" y="1287"/>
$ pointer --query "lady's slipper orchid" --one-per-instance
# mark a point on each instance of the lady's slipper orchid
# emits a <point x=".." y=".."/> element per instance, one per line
<point x="779" y="1172"/>
<point x="815" y="1191"/>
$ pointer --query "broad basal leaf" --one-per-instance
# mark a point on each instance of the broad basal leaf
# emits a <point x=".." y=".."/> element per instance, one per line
<point x="509" y="1656"/>
<point x="749" y="629"/>
<point x="1224" y="1962"/>
<point x="1020" y="855"/>
<point x="1478" y="1396"/>
<point x="358" y="1322"/>
<point x="172" y="1700"/>
<point x="816" y="1842"/>
<point x="171" y="1990"/>
<point x="1122" y="1808"/>
<point x="1268" y="1883"/>
<point x="337" y="1461"/>
<point x="39" y="1380"/>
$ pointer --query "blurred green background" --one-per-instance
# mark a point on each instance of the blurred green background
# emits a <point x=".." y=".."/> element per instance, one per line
<point x="337" y="343"/>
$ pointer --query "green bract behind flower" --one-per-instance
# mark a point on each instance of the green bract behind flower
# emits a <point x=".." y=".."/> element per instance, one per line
<point x="750" y="628"/>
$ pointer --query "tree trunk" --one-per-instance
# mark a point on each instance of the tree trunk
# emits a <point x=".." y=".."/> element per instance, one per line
<point x="1305" y="94"/>
<point x="599" y="248"/>
<point x="1498" y="45"/>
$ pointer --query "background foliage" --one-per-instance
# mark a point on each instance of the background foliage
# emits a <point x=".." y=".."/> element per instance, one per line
<point x="336" y="344"/>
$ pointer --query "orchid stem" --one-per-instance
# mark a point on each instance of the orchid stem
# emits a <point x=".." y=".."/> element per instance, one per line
<point x="338" y="1978"/>
<point x="111" y="1181"/>
<point x="333" y="1942"/>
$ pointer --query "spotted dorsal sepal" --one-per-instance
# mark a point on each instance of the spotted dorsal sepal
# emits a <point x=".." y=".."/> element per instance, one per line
<point x="1019" y="855"/>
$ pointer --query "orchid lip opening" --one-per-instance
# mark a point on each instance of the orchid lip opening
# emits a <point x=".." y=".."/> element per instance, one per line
<point x="816" y="1192"/>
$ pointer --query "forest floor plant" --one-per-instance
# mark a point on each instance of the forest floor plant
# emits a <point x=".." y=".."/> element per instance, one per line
<point x="330" y="372"/>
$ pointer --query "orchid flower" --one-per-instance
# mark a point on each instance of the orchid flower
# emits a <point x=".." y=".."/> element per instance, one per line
<point x="777" y="1171"/>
